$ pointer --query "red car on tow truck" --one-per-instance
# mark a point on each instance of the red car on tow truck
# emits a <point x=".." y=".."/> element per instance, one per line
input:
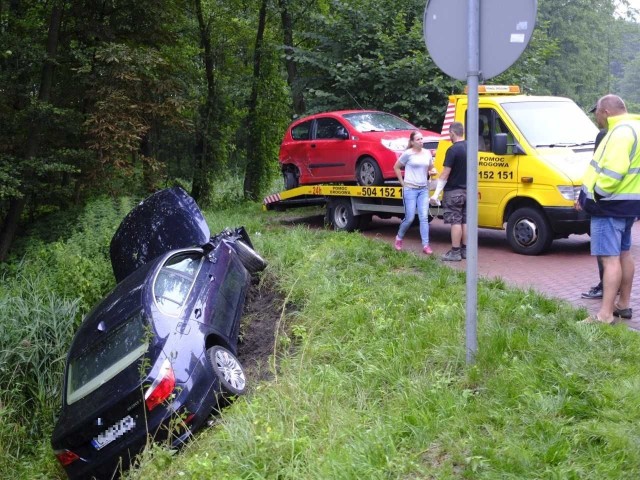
<point x="347" y="146"/>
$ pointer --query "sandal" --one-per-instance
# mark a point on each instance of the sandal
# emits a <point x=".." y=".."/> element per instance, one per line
<point x="595" y="319"/>
<point x="625" y="313"/>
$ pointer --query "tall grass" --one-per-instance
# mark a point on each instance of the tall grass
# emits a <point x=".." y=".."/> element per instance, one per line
<point x="44" y="296"/>
<point x="378" y="386"/>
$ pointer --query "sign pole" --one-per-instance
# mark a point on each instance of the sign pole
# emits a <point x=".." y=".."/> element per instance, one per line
<point x="473" y="80"/>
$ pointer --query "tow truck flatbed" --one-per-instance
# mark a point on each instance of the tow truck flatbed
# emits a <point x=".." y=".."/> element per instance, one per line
<point x="348" y="207"/>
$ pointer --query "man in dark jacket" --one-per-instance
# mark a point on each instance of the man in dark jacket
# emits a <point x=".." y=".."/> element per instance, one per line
<point x="596" y="292"/>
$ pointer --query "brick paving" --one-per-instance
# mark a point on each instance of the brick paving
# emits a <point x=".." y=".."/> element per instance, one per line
<point x="564" y="272"/>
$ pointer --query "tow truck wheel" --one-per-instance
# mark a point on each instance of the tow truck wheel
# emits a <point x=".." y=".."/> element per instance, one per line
<point x="341" y="215"/>
<point x="368" y="173"/>
<point x="528" y="231"/>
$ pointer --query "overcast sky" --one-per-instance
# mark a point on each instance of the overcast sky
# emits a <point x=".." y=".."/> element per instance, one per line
<point x="635" y="4"/>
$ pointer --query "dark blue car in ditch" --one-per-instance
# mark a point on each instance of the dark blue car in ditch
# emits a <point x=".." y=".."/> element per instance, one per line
<point x="158" y="354"/>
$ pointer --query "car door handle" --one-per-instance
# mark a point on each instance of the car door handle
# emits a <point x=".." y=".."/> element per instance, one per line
<point x="183" y="328"/>
<point x="313" y="145"/>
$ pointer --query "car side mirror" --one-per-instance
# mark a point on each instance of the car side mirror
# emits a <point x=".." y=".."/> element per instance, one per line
<point x="500" y="144"/>
<point x="342" y="133"/>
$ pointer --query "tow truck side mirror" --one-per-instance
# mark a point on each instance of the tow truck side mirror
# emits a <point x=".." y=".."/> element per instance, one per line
<point x="500" y="144"/>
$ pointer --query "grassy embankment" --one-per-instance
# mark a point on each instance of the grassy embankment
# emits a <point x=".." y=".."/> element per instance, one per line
<point x="376" y="385"/>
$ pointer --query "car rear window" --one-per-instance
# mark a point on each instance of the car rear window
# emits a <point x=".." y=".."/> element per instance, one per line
<point x="106" y="358"/>
<point x="175" y="280"/>
<point x="302" y="131"/>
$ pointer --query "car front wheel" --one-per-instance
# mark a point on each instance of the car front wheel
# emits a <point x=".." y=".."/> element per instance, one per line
<point x="230" y="378"/>
<point x="251" y="260"/>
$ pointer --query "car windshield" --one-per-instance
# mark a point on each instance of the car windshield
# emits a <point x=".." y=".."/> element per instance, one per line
<point x="106" y="358"/>
<point x="377" y="122"/>
<point x="552" y="123"/>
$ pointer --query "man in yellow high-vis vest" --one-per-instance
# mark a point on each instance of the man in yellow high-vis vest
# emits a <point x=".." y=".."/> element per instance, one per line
<point x="611" y="195"/>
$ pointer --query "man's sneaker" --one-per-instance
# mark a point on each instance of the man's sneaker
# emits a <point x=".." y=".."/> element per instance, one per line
<point x="452" y="256"/>
<point x="594" y="293"/>
<point x="398" y="244"/>
<point x="427" y="250"/>
<point x="463" y="252"/>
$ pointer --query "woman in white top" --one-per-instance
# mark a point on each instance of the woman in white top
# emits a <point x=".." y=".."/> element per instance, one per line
<point x="418" y="165"/>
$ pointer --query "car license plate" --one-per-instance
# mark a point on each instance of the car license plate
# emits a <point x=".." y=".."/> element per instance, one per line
<point x="113" y="432"/>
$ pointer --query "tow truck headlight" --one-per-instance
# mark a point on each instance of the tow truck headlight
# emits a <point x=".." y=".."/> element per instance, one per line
<point x="397" y="145"/>
<point x="569" y="192"/>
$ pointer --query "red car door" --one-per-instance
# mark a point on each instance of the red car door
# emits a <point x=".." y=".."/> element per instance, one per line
<point x="331" y="154"/>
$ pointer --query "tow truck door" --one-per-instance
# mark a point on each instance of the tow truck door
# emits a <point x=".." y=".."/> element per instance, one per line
<point x="497" y="174"/>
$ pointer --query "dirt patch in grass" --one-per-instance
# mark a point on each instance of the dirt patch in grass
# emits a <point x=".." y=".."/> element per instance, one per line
<point x="261" y="326"/>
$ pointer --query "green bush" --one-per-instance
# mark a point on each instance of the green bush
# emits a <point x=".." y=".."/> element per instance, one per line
<point x="47" y="293"/>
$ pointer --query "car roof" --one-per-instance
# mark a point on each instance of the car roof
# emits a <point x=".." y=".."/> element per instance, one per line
<point x="167" y="220"/>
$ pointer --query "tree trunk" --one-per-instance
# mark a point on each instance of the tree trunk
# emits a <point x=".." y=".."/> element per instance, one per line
<point x="17" y="204"/>
<point x="205" y="155"/>
<point x="253" y="173"/>
<point x="297" y="96"/>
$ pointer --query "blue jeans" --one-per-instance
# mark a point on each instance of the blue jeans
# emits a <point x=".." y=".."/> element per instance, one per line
<point x="416" y="198"/>
<point x="610" y="235"/>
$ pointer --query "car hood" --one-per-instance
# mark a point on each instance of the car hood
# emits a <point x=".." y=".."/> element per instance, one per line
<point x="167" y="220"/>
<point x="573" y="162"/>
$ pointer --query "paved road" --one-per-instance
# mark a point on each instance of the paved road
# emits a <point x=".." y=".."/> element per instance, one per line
<point x="563" y="272"/>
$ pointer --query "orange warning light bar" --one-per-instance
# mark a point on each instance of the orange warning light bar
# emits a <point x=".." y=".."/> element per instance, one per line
<point x="496" y="89"/>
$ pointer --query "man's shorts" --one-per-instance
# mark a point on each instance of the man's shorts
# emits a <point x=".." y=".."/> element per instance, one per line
<point x="610" y="235"/>
<point x="455" y="206"/>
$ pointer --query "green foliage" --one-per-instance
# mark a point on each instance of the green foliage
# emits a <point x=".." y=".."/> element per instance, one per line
<point x="77" y="267"/>
<point x="372" y="55"/>
<point x="584" y="36"/>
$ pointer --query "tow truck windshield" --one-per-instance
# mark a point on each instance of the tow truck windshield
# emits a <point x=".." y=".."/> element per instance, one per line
<point x="552" y="123"/>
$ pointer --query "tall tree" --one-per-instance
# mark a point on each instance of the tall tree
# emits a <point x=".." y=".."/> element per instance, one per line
<point x="266" y="117"/>
<point x="29" y="167"/>
<point x="295" y="85"/>
<point x="254" y="160"/>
